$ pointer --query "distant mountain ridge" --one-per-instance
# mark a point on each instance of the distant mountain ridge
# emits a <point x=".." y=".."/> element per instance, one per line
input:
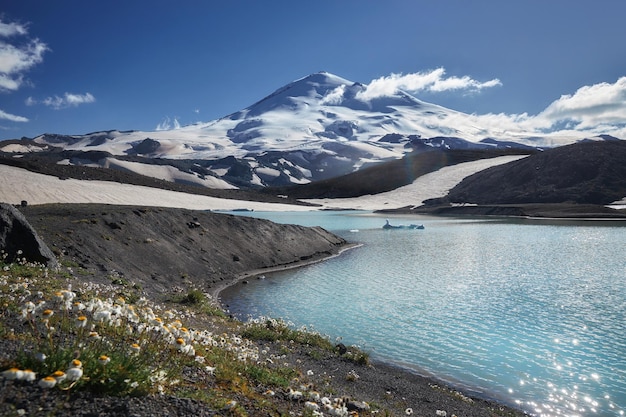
<point x="318" y="127"/>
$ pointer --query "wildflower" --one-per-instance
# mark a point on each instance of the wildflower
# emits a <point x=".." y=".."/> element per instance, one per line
<point x="81" y="321"/>
<point x="156" y="322"/>
<point x="94" y="335"/>
<point x="28" y="308"/>
<point x="47" y="382"/>
<point x="59" y="376"/>
<point x="75" y="363"/>
<point x="408" y="411"/>
<point x="294" y="395"/>
<point x="47" y="313"/>
<point x="74" y="373"/>
<point x="315" y="396"/>
<point x="104" y="359"/>
<point x="102" y="315"/>
<point x="311" y="406"/>
<point x="135" y="348"/>
<point x="13" y="374"/>
<point x="29" y="375"/>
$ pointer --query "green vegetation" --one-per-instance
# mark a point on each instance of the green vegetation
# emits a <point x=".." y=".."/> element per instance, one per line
<point x="71" y="335"/>
<point x="199" y="302"/>
<point x="272" y="330"/>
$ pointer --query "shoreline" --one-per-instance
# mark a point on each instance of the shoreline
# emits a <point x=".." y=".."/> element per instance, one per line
<point x="410" y="374"/>
<point x="217" y="290"/>
<point x="530" y="211"/>
<point x="382" y="382"/>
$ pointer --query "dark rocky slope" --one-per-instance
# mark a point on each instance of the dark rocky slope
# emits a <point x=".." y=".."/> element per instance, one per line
<point x="581" y="173"/>
<point x="160" y="250"/>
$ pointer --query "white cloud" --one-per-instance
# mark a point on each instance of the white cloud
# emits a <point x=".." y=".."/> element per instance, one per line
<point x="15" y="59"/>
<point x="168" y="124"/>
<point x="10" y="29"/>
<point x="432" y="81"/>
<point x="78" y="99"/>
<point x="68" y="100"/>
<point x="590" y="106"/>
<point x="12" y="117"/>
<point x="592" y="110"/>
<point x="335" y="96"/>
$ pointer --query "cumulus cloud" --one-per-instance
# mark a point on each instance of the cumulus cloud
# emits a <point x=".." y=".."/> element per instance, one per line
<point x="18" y="57"/>
<point x="168" y="124"/>
<point x="591" y="110"/>
<point x="68" y="100"/>
<point x="12" y="117"/>
<point x="590" y="106"/>
<point x="430" y="81"/>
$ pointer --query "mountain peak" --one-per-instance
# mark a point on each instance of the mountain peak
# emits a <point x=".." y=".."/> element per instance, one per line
<point x="313" y="87"/>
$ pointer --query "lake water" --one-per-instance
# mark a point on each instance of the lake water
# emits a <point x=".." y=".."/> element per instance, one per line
<point x="527" y="312"/>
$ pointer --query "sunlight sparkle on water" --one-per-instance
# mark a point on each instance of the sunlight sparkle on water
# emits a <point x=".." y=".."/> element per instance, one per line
<point x="537" y="310"/>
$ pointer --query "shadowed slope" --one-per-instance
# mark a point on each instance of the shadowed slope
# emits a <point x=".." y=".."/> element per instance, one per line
<point x="582" y="173"/>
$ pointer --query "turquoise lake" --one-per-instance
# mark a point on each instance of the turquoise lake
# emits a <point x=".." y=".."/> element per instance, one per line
<point x="531" y="313"/>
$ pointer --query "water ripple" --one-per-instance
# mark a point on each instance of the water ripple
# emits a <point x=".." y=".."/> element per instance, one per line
<point x="525" y="313"/>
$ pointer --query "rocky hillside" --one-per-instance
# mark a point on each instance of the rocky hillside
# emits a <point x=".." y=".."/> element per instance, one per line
<point x="581" y="173"/>
<point x="161" y="250"/>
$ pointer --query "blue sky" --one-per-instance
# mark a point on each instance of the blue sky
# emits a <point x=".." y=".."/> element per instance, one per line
<point x="73" y="67"/>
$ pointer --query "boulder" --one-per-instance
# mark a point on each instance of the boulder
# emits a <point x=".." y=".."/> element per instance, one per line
<point x="16" y="235"/>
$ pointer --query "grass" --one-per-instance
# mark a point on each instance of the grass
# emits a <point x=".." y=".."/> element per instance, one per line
<point x="199" y="302"/>
<point x="272" y="330"/>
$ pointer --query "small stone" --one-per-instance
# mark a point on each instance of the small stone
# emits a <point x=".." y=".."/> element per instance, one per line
<point x="359" y="406"/>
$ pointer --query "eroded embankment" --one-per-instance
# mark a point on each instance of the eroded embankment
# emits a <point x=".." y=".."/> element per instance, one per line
<point x="161" y="249"/>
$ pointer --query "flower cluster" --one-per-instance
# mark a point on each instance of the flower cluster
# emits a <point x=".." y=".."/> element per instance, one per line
<point x="16" y="374"/>
<point x="109" y="329"/>
<point x="85" y="336"/>
<point x="319" y="405"/>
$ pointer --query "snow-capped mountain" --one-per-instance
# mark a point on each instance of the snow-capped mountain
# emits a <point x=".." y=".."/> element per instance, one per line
<point x="313" y="128"/>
